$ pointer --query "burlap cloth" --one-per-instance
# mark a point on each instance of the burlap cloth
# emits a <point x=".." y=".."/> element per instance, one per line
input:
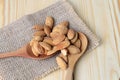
<point x="18" y="33"/>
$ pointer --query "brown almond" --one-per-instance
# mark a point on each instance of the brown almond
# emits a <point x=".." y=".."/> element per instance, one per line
<point x="73" y="49"/>
<point x="48" y="40"/>
<point x="45" y="45"/>
<point x="39" y="33"/>
<point x="75" y="38"/>
<point x="47" y="30"/>
<point x="38" y="49"/>
<point x="58" y="39"/>
<point x="78" y="43"/>
<point x="34" y="51"/>
<point x="61" y="28"/>
<point x="38" y="38"/>
<point x="38" y="27"/>
<point x="61" y="63"/>
<point x="49" y="21"/>
<point x="54" y="34"/>
<point x="62" y="45"/>
<point x="71" y="34"/>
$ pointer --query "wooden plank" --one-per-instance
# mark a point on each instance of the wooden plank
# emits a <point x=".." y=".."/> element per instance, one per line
<point x="1" y="13"/>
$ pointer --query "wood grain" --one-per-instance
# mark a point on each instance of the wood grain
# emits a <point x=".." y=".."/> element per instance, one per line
<point x="102" y="17"/>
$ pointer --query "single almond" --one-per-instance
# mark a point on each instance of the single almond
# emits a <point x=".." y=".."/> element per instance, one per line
<point x="45" y="45"/>
<point x="62" y="45"/>
<point x="38" y="38"/>
<point x="64" y="52"/>
<point x="78" y="43"/>
<point x="48" y="40"/>
<point x="61" y="28"/>
<point x="38" y="27"/>
<point x="54" y="34"/>
<point x="34" y="51"/>
<point x="49" y="21"/>
<point x="75" y="38"/>
<point x="39" y="33"/>
<point x="61" y="63"/>
<point x="58" y="39"/>
<point x="47" y="30"/>
<point x="73" y="49"/>
<point x="71" y="34"/>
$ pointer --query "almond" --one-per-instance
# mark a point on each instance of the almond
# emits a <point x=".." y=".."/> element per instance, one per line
<point x="78" y="43"/>
<point x="62" y="45"/>
<point x="47" y="30"/>
<point x="58" y="39"/>
<point x="61" y="28"/>
<point x="54" y="34"/>
<point x="45" y="45"/>
<point x="39" y="33"/>
<point x="75" y="38"/>
<point x="73" y="49"/>
<point x="61" y="63"/>
<point x="38" y="38"/>
<point x="49" y="21"/>
<point x="71" y="34"/>
<point x="38" y="49"/>
<point x="48" y="40"/>
<point x="38" y="27"/>
<point x="34" y="52"/>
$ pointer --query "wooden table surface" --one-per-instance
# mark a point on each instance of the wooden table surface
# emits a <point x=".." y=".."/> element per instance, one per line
<point x="103" y="18"/>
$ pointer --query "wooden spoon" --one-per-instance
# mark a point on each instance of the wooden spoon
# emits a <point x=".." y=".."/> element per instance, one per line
<point x="26" y="52"/>
<point x="72" y="59"/>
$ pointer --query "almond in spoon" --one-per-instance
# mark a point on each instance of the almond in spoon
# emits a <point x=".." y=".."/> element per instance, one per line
<point x="45" y="45"/>
<point x="75" y="38"/>
<point x="73" y="49"/>
<point x="47" y="30"/>
<point x="49" y="21"/>
<point x="48" y="40"/>
<point x="38" y="27"/>
<point x="39" y="33"/>
<point x="78" y="43"/>
<point x="71" y="34"/>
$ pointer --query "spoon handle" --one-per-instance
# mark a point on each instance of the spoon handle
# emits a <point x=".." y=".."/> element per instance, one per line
<point x="9" y="54"/>
<point x="68" y="74"/>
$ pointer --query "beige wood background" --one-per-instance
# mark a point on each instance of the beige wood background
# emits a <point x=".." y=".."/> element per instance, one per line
<point x="102" y="16"/>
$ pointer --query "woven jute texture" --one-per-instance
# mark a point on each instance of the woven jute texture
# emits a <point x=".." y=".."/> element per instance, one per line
<point x="18" y="33"/>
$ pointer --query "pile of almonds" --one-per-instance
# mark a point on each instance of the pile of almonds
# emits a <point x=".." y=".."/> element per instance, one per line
<point x="48" y="39"/>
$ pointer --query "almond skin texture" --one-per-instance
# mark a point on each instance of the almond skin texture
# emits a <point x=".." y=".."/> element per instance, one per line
<point x="58" y="39"/>
<point x="61" y="28"/>
<point x="38" y="49"/>
<point x="34" y="52"/>
<point x="45" y="45"/>
<point x="61" y="63"/>
<point x="49" y="21"/>
<point x="71" y="34"/>
<point x="75" y="38"/>
<point x="78" y="43"/>
<point x="39" y="33"/>
<point x="38" y="38"/>
<point x="62" y="45"/>
<point x="38" y="27"/>
<point x="48" y="40"/>
<point x="54" y="34"/>
<point x="73" y="49"/>
<point x="47" y="30"/>
<point x="32" y="42"/>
